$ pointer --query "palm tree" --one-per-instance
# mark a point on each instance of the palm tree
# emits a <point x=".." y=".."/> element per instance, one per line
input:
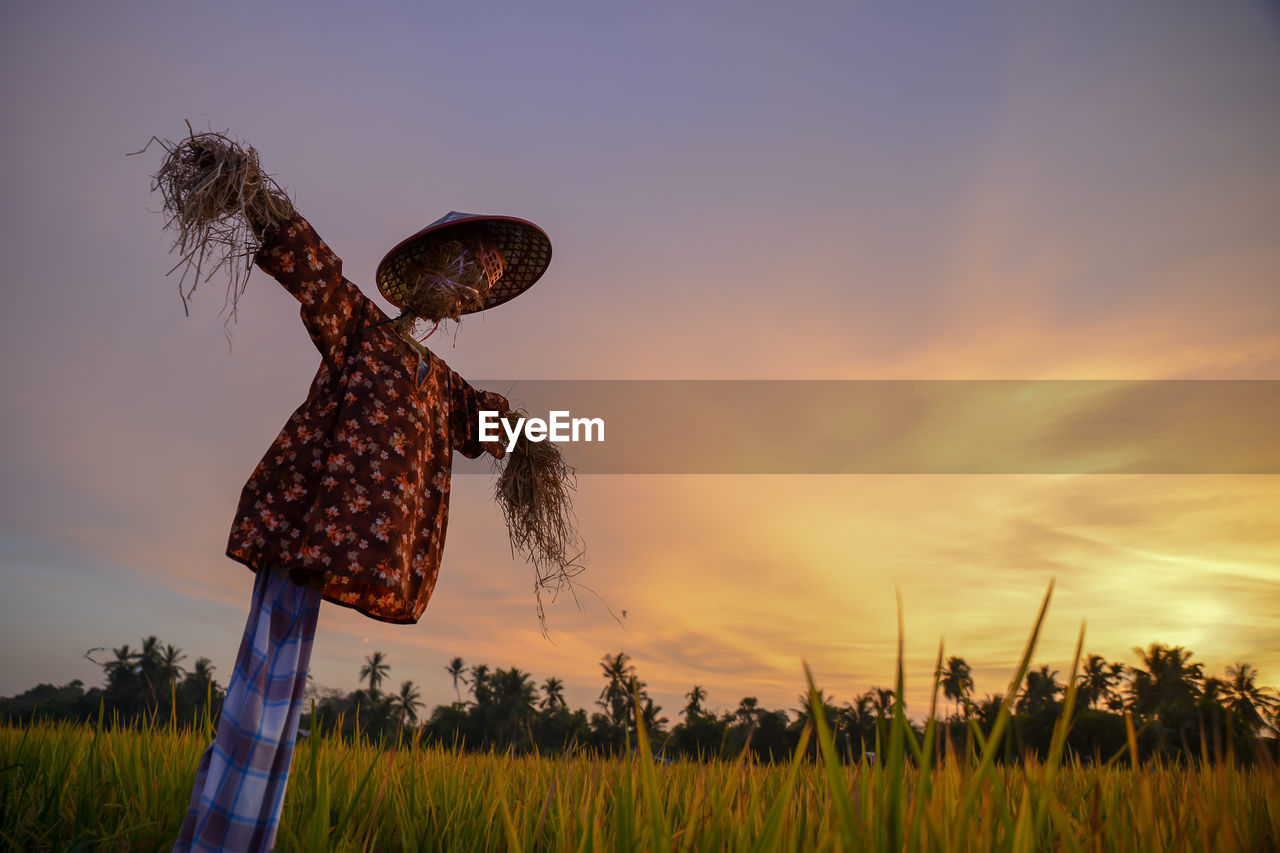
<point x="1097" y="682"/>
<point x="198" y="686"/>
<point x="480" y="684"/>
<point x="125" y="686"/>
<point x="202" y="672"/>
<point x="616" y="696"/>
<point x="374" y="670"/>
<point x="553" y="688"/>
<point x="149" y="662"/>
<point x="652" y="722"/>
<point x="694" y="709"/>
<point x="1244" y="697"/>
<point x="1091" y="684"/>
<point x="988" y="709"/>
<point x="1168" y="680"/>
<point x="805" y="712"/>
<point x="168" y="670"/>
<point x="406" y="703"/>
<point x="514" y="698"/>
<point x="124" y="666"/>
<point x="1041" y="691"/>
<point x="860" y="720"/>
<point x="882" y="701"/>
<point x="455" y="669"/>
<point x="748" y="712"/>
<point x="149" y="654"/>
<point x="957" y="682"/>
<point x="1213" y="691"/>
<point x="1115" y="674"/>
<point x="638" y="694"/>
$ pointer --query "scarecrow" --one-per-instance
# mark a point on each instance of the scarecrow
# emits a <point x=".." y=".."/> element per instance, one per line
<point x="350" y="502"/>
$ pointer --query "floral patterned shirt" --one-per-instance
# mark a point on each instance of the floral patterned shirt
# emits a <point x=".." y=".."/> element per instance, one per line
<point x="353" y="495"/>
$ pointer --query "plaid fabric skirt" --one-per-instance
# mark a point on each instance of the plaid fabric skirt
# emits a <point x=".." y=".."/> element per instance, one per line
<point x="239" y="788"/>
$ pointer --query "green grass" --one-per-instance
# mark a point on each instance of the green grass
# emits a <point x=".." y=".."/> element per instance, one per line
<point x="66" y="787"/>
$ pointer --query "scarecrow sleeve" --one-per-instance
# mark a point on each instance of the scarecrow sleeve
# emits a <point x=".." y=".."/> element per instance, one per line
<point x="294" y="255"/>
<point x="465" y="405"/>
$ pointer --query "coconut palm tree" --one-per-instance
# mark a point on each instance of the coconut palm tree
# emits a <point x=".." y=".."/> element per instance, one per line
<point x="1097" y="679"/>
<point x="374" y="670"/>
<point x="406" y="703"/>
<point x="859" y="720"/>
<point x="1092" y="681"/>
<point x="637" y="692"/>
<point x="748" y="712"/>
<point x="649" y="713"/>
<point x="805" y="712"/>
<point x="198" y="687"/>
<point x="514" y="696"/>
<point x="124" y="667"/>
<point x="957" y="683"/>
<point x="202" y="672"/>
<point x="150" y="659"/>
<point x="553" y="689"/>
<point x="480" y="688"/>
<point x="168" y="669"/>
<point x="1167" y="680"/>
<point x="988" y="709"/>
<point x="1113" y="697"/>
<point x="1245" y="699"/>
<point x="882" y="700"/>
<point x="455" y="669"/>
<point x="1213" y="695"/>
<point x="615" y="698"/>
<point x="149" y="654"/>
<point x="125" y="687"/>
<point x="1041" y="691"/>
<point x="694" y="709"/>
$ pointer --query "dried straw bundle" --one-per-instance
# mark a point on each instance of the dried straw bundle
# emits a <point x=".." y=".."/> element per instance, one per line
<point x="218" y="201"/>
<point x="452" y="281"/>
<point x="534" y="492"/>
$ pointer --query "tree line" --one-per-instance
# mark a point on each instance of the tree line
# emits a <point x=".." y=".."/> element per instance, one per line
<point x="1178" y="711"/>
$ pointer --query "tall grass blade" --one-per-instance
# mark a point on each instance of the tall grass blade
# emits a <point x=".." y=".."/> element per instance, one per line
<point x="987" y="761"/>
<point x="837" y="788"/>
<point x="648" y="779"/>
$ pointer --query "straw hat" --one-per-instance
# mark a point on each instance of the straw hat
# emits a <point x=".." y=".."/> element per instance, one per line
<point x="515" y="254"/>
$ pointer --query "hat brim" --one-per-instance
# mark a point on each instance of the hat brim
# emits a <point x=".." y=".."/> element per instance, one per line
<point x="525" y="250"/>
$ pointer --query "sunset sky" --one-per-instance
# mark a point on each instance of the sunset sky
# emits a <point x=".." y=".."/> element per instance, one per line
<point x="734" y="191"/>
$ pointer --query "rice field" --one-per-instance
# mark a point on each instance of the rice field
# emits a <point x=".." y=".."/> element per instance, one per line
<point x="70" y="787"/>
<point x="67" y="787"/>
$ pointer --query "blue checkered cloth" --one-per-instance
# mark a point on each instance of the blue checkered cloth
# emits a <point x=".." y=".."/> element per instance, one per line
<point x="239" y="788"/>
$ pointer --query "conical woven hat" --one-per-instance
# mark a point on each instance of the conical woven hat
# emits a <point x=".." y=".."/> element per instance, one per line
<point x="523" y="247"/>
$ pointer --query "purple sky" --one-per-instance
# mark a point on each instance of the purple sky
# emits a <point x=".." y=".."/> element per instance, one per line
<point x="822" y="191"/>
